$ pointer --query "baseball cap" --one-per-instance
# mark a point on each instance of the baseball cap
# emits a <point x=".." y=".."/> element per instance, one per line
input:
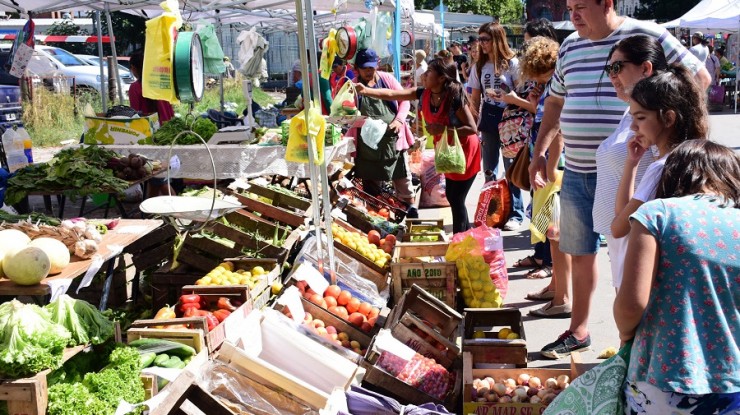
<point x="366" y="58"/>
<point x="699" y="35"/>
<point x="454" y="43"/>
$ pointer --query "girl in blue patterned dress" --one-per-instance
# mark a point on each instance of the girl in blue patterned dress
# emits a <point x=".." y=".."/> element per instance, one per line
<point x="679" y="298"/>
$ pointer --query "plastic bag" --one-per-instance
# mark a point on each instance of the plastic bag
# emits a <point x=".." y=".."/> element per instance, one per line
<point x="432" y="183"/>
<point x="379" y="42"/>
<point x="494" y="204"/>
<point x="22" y="49"/>
<point x="328" y="53"/>
<point x="553" y="228"/>
<point x="158" y="81"/>
<point x="472" y="248"/>
<point x="345" y="102"/>
<point x="372" y="132"/>
<point x="300" y="133"/>
<point x="449" y="158"/>
<point x="213" y="55"/>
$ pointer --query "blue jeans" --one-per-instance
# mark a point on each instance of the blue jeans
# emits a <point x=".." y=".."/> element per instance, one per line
<point x="490" y="153"/>
<point x="577" y="236"/>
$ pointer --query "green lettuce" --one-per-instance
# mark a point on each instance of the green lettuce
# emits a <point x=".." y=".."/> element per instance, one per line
<point x="82" y="319"/>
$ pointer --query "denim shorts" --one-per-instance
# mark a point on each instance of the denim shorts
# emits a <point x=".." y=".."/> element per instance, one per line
<point x="577" y="236"/>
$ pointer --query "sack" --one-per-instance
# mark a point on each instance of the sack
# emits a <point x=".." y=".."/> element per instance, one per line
<point x="514" y="130"/>
<point x="494" y="204"/>
<point x="596" y="392"/>
<point x="158" y="80"/>
<point x="299" y="134"/>
<point x="717" y="94"/>
<point x="486" y="244"/>
<point x="518" y="173"/>
<point x="345" y="102"/>
<point x="432" y="183"/>
<point x="449" y="158"/>
<point x="213" y="54"/>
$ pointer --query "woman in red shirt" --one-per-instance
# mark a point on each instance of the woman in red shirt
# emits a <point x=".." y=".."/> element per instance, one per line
<point x="444" y="105"/>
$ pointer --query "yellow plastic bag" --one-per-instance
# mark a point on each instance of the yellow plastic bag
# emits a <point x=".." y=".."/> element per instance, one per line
<point x="542" y="204"/>
<point x="299" y="133"/>
<point x="158" y="79"/>
<point x="328" y="53"/>
<point x="345" y="102"/>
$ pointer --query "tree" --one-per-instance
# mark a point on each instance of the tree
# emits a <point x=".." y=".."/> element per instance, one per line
<point x="507" y="11"/>
<point x="69" y="28"/>
<point x="128" y="30"/>
<point x="663" y="11"/>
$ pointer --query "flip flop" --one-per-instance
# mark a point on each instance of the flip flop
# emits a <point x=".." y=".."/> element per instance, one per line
<point x="542" y="295"/>
<point x="540" y="273"/>
<point x="527" y="262"/>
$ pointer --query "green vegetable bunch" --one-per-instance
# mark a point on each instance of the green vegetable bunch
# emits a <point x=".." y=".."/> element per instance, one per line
<point x="167" y="132"/>
<point x="29" y="341"/>
<point x="75" y="172"/>
<point x="84" y="321"/>
<point x="99" y="393"/>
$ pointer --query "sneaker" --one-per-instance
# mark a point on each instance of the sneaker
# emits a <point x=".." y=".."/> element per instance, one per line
<point x="565" y="345"/>
<point x="412" y="213"/>
<point x="512" y="225"/>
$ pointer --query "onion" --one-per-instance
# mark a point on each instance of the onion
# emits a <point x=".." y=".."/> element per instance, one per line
<point x="505" y="399"/>
<point x="521" y="392"/>
<point x="482" y="391"/>
<point x="499" y="388"/>
<point x="542" y="393"/>
<point x="492" y="397"/>
<point x="560" y="390"/>
<point x="490" y="382"/>
<point x="476" y="383"/>
<point x="522" y="379"/>
<point x="548" y="398"/>
<point x="480" y="400"/>
<point x="551" y="383"/>
<point x="474" y="394"/>
<point x="535" y="399"/>
<point x="516" y="399"/>
<point x="563" y="381"/>
<point x="510" y="383"/>
<point x="532" y="391"/>
<point x="535" y="382"/>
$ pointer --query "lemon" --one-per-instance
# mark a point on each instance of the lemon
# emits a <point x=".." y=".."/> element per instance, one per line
<point x="206" y="280"/>
<point x="504" y="333"/>
<point x="479" y="334"/>
<point x="258" y="270"/>
<point x="227" y="265"/>
<point x="512" y="336"/>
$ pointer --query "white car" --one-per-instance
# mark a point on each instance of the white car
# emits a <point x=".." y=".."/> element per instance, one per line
<point x="53" y="61"/>
<point x="126" y="77"/>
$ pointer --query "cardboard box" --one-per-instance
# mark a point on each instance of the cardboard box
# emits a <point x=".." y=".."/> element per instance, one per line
<point x="126" y="131"/>
<point x="491" y="349"/>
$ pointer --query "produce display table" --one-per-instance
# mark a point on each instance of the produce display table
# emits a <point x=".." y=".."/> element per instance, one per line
<point x="233" y="161"/>
<point x="127" y="231"/>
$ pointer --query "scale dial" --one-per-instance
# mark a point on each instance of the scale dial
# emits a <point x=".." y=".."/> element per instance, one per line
<point x="346" y="42"/>
<point x="406" y="38"/>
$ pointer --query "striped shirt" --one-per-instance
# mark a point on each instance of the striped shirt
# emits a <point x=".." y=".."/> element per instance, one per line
<point x="592" y="110"/>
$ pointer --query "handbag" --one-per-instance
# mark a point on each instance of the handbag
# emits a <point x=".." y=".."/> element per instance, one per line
<point x="518" y="173"/>
<point x="514" y="130"/>
<point x="596" y="392"/>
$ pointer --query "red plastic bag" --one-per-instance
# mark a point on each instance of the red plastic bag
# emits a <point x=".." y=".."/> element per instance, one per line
<point x="494" y="204"/>
<point x="491" y="246"/>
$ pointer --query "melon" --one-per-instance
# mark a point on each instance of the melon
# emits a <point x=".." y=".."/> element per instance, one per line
<point x="11" y="240"/>
<point x="56" y="251"/>
<point x="27" y="266"/>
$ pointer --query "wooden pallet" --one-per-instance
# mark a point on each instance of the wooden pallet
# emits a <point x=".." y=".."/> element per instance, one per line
<point x="437" y="278"/>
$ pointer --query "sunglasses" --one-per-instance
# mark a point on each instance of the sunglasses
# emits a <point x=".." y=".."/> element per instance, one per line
<point x="484" y="39"/>
<point x="615" y="68"/>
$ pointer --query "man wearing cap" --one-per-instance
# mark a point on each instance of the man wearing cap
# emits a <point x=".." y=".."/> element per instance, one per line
<point x="421" y="66"/>
<point x="388" y="162"/>
<point x="339" y="75"/>
<point x="698" y="48"/>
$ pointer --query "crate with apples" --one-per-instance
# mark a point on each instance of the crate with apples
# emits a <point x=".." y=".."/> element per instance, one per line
<point x="345" y="305"/>
<point x="495" y="336"/>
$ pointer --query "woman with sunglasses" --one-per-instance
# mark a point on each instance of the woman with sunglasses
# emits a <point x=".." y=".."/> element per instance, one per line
<point x="495" y="74"/>
<point x="630" y="60"/>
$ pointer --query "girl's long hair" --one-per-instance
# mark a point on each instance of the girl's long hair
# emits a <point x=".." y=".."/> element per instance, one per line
<point x="449" y="72"/>
<point x="500" y="53"/>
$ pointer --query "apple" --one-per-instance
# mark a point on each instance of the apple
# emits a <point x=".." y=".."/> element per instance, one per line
<point x="354" y="344"/>
<point x="331" y="329"/>
<point x="319" y="323"/>
<point x="343" y="336"/>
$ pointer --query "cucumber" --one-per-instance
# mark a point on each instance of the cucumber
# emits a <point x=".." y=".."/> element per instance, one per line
<point x="161" y="382"/>
<point x="173" y="362"/>
<point x="147" y="359"/>
<point x="161" y="359"/>
<point x="172" y="348"/>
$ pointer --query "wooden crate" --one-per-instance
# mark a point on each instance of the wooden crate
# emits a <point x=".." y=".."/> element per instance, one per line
<point x="185" y="393"/>
<point x="425" y="228"/>
<point x="389" y="201"/>
<point x="377" y="274"/>
<point x="359" y="198"/>
<point x="358" y="219"/>
<point x="167" y="283"/>
<point x="254" y="224"/>
<point x="204" y="254"/>
<point x="470" y="372"/>
<point x="283" y="208"/>
<point x="195" y="338"/>
<point x="437" y="278"/>
<point x="443" y="318"/>
<point x="423" y="339"/>
<point x="29" y="396"/>
<point x="153" y="248"/>
<point x="491" y="349"/>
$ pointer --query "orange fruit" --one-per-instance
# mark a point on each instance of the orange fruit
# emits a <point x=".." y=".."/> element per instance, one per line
<point x="373" y="312"/>
<point x="342" y="312"/>
<point x="365" y="308"/>
<point x="344" y="297"/>
<point x="316" y="299"/>
<point x="330" y="301"/>
<point x="353" y="305"/>
<point x="332" y="291"/>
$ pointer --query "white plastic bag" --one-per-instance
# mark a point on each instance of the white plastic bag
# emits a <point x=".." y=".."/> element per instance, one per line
<point x="372" y="132"/>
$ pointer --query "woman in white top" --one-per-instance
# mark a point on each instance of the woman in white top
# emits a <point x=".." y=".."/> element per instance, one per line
<point x="667" y="109"/>
<point x="631" y="60"/>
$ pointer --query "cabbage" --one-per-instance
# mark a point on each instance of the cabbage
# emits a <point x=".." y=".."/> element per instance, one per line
<point x="82" y="319"/>
<point x="29" y="341"/>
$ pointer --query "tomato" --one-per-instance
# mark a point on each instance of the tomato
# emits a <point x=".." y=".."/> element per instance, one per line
<point x="189" y="298"/>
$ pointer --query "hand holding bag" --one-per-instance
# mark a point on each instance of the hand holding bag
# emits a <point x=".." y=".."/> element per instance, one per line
<point x="518" y="173"/>
<point x="514" y="130"/>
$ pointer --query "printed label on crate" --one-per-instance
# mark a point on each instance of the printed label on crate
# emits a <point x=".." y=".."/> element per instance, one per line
<point x="480" y="408"/>
<point x="425" y="272"/>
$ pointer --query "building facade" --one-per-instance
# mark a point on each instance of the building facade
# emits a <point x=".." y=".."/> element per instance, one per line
<point x="627" y="7"/>
<point x="553" y="10"/>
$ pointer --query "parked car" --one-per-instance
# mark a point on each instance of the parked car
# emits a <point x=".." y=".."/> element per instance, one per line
<point x="10" y="94"/>
<point x="126" y="77"/>
<point x="61" y="61"/>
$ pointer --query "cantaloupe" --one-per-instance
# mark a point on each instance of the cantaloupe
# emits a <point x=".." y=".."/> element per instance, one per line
<point x="11" y="240"/>
<point x="27" y="266"/>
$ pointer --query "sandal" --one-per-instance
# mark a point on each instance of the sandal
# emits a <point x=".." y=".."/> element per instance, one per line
<point x="552" y="311"/>
<point x="540" y="273"/>
<point x="542" y="295"/>
<point x="527" y="262"/>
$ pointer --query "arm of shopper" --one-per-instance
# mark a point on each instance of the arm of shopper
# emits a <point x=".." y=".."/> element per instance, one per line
<point x="640" y="266"/>
<point x="387" y="94"/>
<point x="553" y="157"/>
<point x="626" y="204"/>
<point x="514" y="99"/>
<point x="549" y="131"/>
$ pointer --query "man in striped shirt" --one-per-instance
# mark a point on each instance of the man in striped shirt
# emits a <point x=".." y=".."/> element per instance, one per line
<point x="584" y="107"/>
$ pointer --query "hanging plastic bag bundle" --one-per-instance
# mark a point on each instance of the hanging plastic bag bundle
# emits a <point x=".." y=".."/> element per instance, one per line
<point x="300" y="133"/>
<point x="328" y="53"/>
<point x="158" y="80"/>
<point x="449" y="158"/>
<point x="22" y="49"/>
<point x="213" y="54"/>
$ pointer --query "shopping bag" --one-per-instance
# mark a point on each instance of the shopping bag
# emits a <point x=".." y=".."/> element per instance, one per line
<point x="213" y="54"/>
<point x="717" y="94"/>
<point x="596" y="392"/>
<point x="514" y="129"/>
<point x="345" y="102"/>
<point x="22" y="50"/>
<point x="543" y="204"/>
<point x="158" y="80"/>
<point x="449" y="158"/>
<point x="299" y="134"/>
<point x="328" y="53"/>
<point x="494" y="204"/>
<point x="432" y="183"/>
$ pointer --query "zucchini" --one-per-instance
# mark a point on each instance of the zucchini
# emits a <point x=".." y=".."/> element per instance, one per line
<point x="160" y="345"/>
<point x="147" y="359"/>
<point x="173" y="362"/>
<point x="161" y="359"/>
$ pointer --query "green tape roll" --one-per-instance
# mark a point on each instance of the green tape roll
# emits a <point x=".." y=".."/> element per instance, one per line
<point x="188" y="67"/>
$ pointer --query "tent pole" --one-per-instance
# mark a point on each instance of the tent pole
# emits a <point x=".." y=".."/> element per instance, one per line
<point x="397" y="41"/>
<point x="99" y="28"/>
<point x="113" y="51"/>
<point x="442" y="21"/>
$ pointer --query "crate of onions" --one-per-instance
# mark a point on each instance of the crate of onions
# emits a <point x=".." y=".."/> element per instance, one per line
<point x="519" y="391"/>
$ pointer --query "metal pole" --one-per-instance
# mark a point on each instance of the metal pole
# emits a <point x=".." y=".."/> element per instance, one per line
<point x="442" y="21"/>
<point x="320" y="170"/>
<point x="99" y="27"/>
<point x="114" y="70"/>
<point x="397" y="41"/>
<point x="306" y="106"/>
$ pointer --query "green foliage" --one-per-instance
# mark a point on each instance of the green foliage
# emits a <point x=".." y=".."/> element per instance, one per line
<point x="51" y="118"/>
<point x="663" y="11"/>
<point x="130" y="29"/>
<point x="507" y="11"/>
<point x="83" y="320"/>
<point x="172" y="129"/>
<point x="69" y="28"/>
